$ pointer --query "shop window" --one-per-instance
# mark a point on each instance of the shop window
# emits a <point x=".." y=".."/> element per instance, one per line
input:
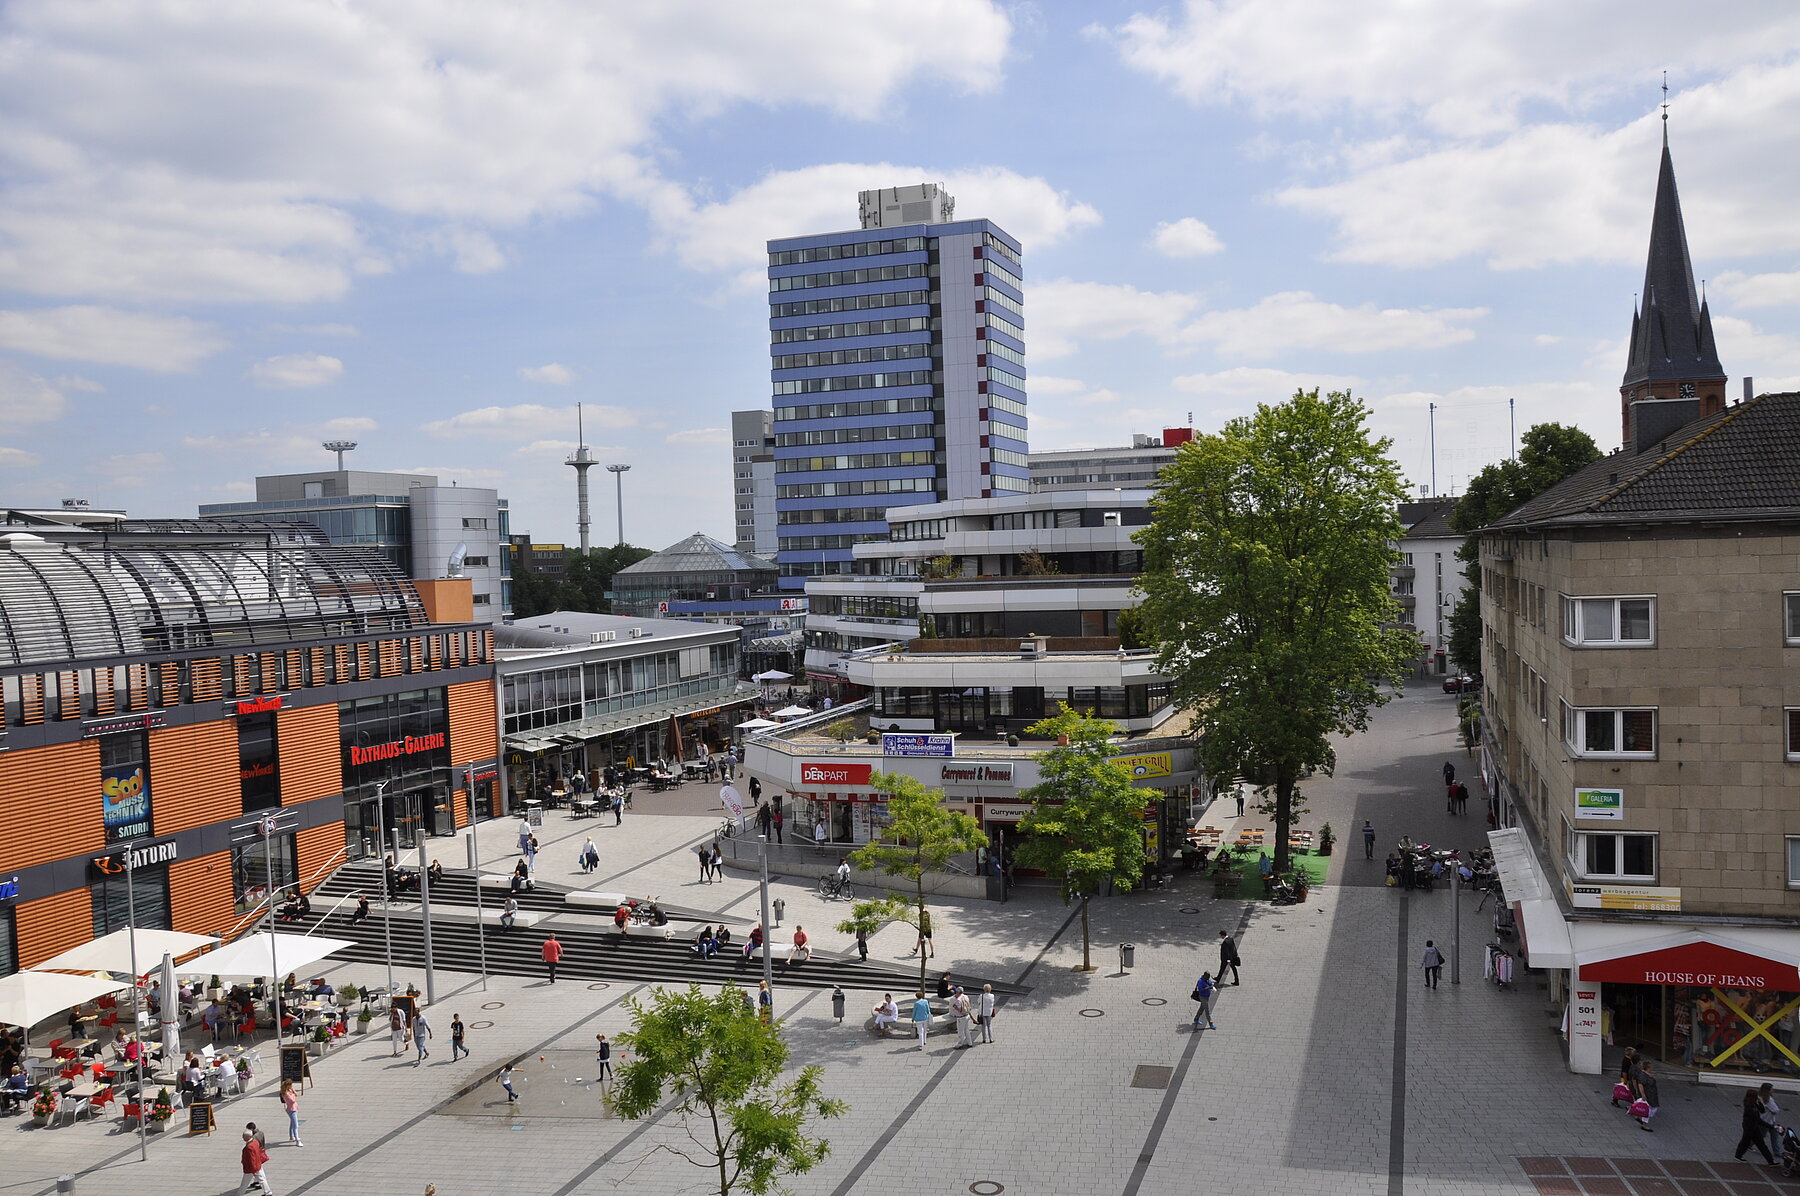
<point x="148" y="900"/>
<point x="1612" y="856"/>
<point x="9" y="941"/>
<point x="125" y="785"/>
<point x="1609" y="733"/>
<point x="1609" y="622"/>
<point x="258" y="778"/>
<point x="250" y="867"/>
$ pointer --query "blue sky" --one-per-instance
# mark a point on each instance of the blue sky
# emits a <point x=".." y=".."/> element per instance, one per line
<point x="230" y="232"/>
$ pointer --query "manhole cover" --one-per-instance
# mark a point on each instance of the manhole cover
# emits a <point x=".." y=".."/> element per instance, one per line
<point x="1147" y="1076"/>
<point x="495" y="1005"/>
<point x="1093" y="1013"/>
<point x="987" y="1187"/>
<point x="599" y="986"/>
<point x="1154" y="1001"/>
<point x="481" y="1025"/>
<point x="1190" y="909"/>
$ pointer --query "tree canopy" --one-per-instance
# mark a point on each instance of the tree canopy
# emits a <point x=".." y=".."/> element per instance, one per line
<point x="1267" y="583"/>
<point x="582" y="586"/>
<point x="1086" y="824"/>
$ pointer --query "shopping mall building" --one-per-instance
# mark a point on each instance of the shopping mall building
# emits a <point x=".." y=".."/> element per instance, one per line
<point x="168" y="686"/>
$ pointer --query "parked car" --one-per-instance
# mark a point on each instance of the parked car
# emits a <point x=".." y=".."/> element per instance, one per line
<point x="1459" y="683"/>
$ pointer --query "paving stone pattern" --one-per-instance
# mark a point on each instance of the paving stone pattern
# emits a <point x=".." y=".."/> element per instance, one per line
<point x="1333" y="1069"/>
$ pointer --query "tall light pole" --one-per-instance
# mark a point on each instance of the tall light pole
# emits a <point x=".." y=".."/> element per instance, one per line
<point x="340" y="447"/>
<point x="387" y="898"/>
<point x="268" y="828"/>
<point x="581" y="462"/>
<point x="131" y="927"/>
<point x="768" y="951"/>
<point x="618" y="472"/>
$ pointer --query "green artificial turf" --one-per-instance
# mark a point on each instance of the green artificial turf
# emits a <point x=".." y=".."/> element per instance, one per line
<point x="1250" y="886"/>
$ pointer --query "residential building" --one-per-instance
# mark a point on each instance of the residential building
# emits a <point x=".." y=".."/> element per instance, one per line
<point x="194" y="678"/>
<point x="1641" y="722"/>
<point x="425" y="529"/>
<point x="1429" y="578"/>
<point x="1136" y="467"/>
<point x="580" y="691"/>
<point x="753" y="481"/>
<point x="898" y="372"/>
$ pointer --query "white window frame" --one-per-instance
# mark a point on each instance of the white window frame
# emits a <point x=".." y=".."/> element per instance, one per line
<point x="1573" y="633"/>
<point x="1575" y="731"/>
<point x="1790" y="617"/>
<point x="1793" y="874"/>
<point x="1575" y="853"/>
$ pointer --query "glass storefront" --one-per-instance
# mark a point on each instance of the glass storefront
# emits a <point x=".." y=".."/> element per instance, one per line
<point x="1746" y="1031"/>
<point x="396" y="746"/>
<point x="250" y="870"/>
<point x="113" y="905"/>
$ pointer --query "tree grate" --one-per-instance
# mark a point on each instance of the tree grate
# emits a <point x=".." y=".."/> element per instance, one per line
<point x="1147" y="1076"/>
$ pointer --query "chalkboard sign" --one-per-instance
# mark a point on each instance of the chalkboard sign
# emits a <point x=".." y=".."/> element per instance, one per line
<point x="200" y="1119"/>
<point x="294" y="1065"/>
<point x="407" y="1005"/>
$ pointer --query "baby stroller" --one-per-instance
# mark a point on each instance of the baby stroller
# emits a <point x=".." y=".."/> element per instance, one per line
<point x="1788" y="1148"/>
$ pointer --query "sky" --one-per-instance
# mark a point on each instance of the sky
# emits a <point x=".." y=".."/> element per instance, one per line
<point x="230" y="232"/>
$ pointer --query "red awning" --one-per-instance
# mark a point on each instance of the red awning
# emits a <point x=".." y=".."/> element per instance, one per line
<point x="1702" y="964"/>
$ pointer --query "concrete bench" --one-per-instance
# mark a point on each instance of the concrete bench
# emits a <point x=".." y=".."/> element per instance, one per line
<point x="589" y="898"/>
<point x="942" y="1021"/>
<point x="496" y="880"/>
<point x="489" y="914"/>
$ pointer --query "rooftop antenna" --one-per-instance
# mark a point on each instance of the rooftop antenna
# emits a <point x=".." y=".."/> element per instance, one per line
<point x="581" y="462"/>
<point x="340" y="447"/>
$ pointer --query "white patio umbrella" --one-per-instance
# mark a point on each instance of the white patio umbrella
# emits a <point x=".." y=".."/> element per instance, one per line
<point x="757" y="724"/>
<point x="251" y="955"/>
<point x="112" y="953"/>
<point x="773" y="675"/>
<point x="791" y="712"/>
<point x="27" y="998"/>
<point x="171" y="1010"/>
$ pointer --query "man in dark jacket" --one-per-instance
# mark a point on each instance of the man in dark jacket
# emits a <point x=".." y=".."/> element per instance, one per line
<point x="1228" y="956"/>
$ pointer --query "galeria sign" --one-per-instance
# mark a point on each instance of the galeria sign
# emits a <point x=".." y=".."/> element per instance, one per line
<point x="399" y="747"/>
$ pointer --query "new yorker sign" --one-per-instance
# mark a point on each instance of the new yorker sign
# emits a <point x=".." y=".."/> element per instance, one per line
<point x="399" y="747"/>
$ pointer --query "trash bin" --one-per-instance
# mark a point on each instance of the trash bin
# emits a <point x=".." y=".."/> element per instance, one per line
<point x="780" y="909"/>
<point x="1127" y="956"/>
<point x="837" y="1003"/>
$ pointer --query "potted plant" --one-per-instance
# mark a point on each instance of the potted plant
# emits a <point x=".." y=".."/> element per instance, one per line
<point x="1298" y="880"/>
<point x="1326" y="839"/>
<point x="347" y="995"/>
<point x="215" y="989"/>
<point x="161" y="1109"/>
<point x="363" y="1019"/>
<point x="43" y="1106"/>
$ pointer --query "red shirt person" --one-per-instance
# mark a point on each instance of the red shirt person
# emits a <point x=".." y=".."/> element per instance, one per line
<point x="553" y="952"/>
<point x="253" y="1158"/>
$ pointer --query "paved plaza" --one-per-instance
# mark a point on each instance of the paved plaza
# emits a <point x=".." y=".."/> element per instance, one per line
<point x="1332" y="1069"/>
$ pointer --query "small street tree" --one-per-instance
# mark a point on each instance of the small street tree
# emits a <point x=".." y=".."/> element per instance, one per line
<point x="920" y="837"/>
<point x="1087" y="821"/>
<point x="1267" y="587"/>
<point x="748" y="1120"/>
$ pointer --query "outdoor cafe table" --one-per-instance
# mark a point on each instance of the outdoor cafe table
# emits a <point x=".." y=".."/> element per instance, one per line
<point x="78" y="1045"/>
<point x="87" y="1090"/>
<point x="582" y="808"/>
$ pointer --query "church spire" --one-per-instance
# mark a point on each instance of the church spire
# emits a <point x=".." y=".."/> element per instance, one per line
<point x="1673" y="354"/>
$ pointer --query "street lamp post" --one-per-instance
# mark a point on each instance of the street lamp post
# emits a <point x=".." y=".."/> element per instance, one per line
<point x="268" y="835"/>
<point x="131" y="935"/>
<point x="618" y="472"/>
<point x="387" y="898"/>
<point x="425" y="914"/>
<point x="768" y="951"/>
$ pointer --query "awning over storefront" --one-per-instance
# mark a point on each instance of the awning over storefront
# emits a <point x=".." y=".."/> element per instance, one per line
<point x="525" y="743"/>
<point x="1729" y="957"/>
<point x="1543" y="931"/>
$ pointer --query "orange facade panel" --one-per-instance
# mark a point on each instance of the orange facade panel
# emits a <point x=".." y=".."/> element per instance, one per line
<point x="50" y="804"/>
<point x="200" y="896"/>
<point x="51" y="925"/>
<point x="306" y="743"/>
<point x="316" y="848"/>
<point x="474" y="723"/>
<point x="194" y="776"/>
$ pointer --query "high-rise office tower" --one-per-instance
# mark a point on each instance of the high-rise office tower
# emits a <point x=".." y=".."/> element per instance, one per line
<point x="753" y="480"/>
<point x="898" y="370"/>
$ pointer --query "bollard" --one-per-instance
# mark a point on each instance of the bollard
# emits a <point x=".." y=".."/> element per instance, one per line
<point x="780" y="909"/>
<point x="1127" y="956"/>
<point x="837" y="1004"/>
<point x="65" y="1183"/>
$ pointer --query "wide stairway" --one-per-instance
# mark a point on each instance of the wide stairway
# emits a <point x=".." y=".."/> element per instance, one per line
<point x="592" y="949"/>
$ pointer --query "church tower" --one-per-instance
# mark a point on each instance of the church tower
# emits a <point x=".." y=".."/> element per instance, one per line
<point x="1673" y="374"/>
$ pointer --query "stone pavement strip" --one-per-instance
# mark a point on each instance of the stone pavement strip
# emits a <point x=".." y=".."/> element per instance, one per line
<point x="1333" y="1069"/>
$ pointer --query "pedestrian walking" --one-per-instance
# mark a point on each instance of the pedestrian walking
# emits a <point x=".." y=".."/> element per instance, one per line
<point x="1647" y="1096"/>
<point x="718" y="862"/>
<point x="531" y="850"/>
<point x="603" y="1058"/>
<point x="1433" y="963"/>
<point x="1462" y="798"/>
<point x="590" y="856"/>
<point x="862" y="942"/>
<point x="618" y="809"/>
<point x="253" y="1159"/>
<point x="765" y="821"/>
<point x="507" y="1075"/>
<point x="421" y="1031"/>
<point x="1368" y="839"/>
<point x="1449" y="772"/>
<point x="290" y="1101"/>
<point x="755" y="791"/>
<point x="524" y="835"/>
<point x="1204" y="991"/>
<point x="924" y="943"/>
<point x="1450" y="798"/>
<point x="508" y="912"/>
<point x="965" y="1014"/>
<point x="396" y="1029"/>
<point x="1228" y="956"/>
<point x="1756" y="1124"/>
<point x="705" y="854"/>
<point x="552" y="953"/>
<point x="1240" y="801"/>
<point x="1625" y="1087"/>
<point x="765" y="1002"/>
<point x="775" y="820"/>
<point x="921" y="1015"/>
<point x="984" y="1012"/>
<point x="457" y="1030"/>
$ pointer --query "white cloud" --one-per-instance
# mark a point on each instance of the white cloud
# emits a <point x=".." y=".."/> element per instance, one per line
<point x="528" y="421"/>
<point x="12" y="458"/>
<point x="1299" y="320"/>
<point x="551" y="374"/>
<point x="348" y="424"/>
<point x="551" y="450"/>
<point x="1546" y="338"/>
<point x="1260" y="384"/>
<point x="1466" y="70"/>
<point x="258" y="450"/>
<point x="1044" y="384"/>
<point x="273" y="152"/>
<point x="1765" y="356"/>
<point x="77" y="382"/>
<point x="728" y="234"/>
<point x="294" y="370"/>
<point x="1759" y="290"/>
<point x="161" y="344"/>
<point x="25" y="398"/>
<point x="1063" y="310"/>
<point x="1187" y="237"/>
<point x="699" y="436"/>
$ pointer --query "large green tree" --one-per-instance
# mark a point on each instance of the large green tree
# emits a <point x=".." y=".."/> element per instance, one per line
<point x="748" y="1121"/>
<point x="1548" y="453"/>
<point x="582" y="586"/>
<point x="1267" y="583"/>
<point x="1086" y="825"/>
<point x="920" y="837"/>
